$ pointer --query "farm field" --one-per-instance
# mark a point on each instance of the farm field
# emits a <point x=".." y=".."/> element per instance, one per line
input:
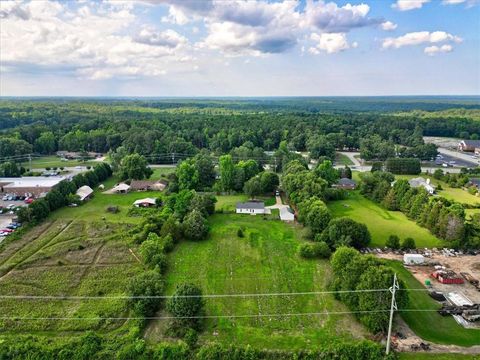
<point x="66" y="257"/>
<point x="445" y="329"/>
<point x="380" y="222"/>
<point x="265" y="260"/>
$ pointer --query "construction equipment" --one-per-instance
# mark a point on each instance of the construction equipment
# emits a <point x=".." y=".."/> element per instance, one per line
<point x="471" y="279"/>
<point x="468" y="312"/>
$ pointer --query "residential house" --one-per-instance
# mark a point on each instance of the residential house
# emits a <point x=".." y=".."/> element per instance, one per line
<point x="84" y="192"/>
<point x="147" y="202"/>
<point x="345" y="183"/>
<point x="468" y="145"/>
<point x="421" y="182"/>
<point x="251" y="207"/>
<point x="121" y="188"/>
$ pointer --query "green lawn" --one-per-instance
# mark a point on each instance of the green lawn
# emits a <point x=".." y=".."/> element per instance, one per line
<point x="380" y="222"/>
<point x="265" y="260"/>
<point x="226" y="203"/>
<point x="54" y="161"/>
<point x="158" y="173"/>
<point x="341" y="159"/>
<point x="430" y="325"/>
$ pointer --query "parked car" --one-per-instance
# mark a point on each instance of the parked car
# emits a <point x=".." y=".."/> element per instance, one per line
<point x="11" y="206"/>
<point x="7" y="230"/>
<point x="5" y="197"/>
<point x="28" y="200"/>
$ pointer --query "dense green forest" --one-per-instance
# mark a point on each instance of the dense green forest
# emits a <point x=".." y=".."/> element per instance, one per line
<point x="244" y="127"/>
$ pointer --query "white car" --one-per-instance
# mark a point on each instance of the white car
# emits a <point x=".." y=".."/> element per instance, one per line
<point x="5" y="197"/>
<point x="11" y="206"/>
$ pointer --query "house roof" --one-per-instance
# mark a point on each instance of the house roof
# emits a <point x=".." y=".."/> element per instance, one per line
<point x="150" y="201"/>
<point x="473" y="143"/>
<point x="31" y="181"/>
<point x="346" y="181"/>
<point x="251" y="205"/>
<point x="420" y="181"/>
<point x="121" y="187"/>
<point x="84" y="192"/>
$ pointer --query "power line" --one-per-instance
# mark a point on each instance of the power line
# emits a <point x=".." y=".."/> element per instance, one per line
<point x="217" y="316"/>
<point x="240" y="295"/>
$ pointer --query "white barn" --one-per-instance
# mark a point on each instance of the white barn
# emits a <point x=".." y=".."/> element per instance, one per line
<point x="251" y="207"/>
<point x="84" y="192"/>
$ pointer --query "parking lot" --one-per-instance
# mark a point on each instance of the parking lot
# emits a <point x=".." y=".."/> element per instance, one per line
<point x="4" y="221"/>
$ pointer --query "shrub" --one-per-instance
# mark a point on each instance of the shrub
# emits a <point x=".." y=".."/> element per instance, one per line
<point x="315" y="250"/>
<point x="240" y="233"/>
<point x="408" y="243"/>
<point x="393" y="242"/>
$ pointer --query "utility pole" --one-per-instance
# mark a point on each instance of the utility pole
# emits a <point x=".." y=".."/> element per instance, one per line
<point x="173" y="158"/>
<point x="30" y="162"/>
<point x="393" y="308"/>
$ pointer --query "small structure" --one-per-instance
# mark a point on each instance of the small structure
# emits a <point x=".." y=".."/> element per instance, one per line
<point x="345" y="183"/>
<point x="421" y="182"/>
<point x="468" y="145"/>
<point x="251" y="207"/>
<point x="144" y="185"/>
<point x="413" y="259"/>
<point x="147" y="202"/>
<point x="84" y="192"/>
<point x="286" y="214"/>
<point x="121" y="188"/>
<point x="447" y="277"/>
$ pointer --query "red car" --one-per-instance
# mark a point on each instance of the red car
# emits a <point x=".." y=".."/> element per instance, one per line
<point x="6" y="230"/>
<point x="28" y="201"/>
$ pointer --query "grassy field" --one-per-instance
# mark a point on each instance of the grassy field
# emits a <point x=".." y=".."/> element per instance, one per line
<point x="54" y="161"/>
<point x="380" y="222"/>
<point x="341" y="159"/>
<point x="66" y="257"/>
<point x="158" y="173"/>
<point x="430" y="325"/>
<point x="265" y="260"/>
<point x="226" y="203"/>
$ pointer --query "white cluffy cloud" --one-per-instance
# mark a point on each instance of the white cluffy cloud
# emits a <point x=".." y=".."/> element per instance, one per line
<point x="330" y="43"/>
<point x="92" y="41"/>
<point x="424" y="37"/>
<point x="434" y="49"/>
<point x="406" y="5"/>
<point x="388" y="26"/>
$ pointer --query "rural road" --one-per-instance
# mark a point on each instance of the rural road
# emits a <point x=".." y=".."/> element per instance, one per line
<point x="278" y="205"/>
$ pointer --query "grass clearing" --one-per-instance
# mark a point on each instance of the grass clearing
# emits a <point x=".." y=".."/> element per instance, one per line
<point x="431" y="326"/>
<point x="55" y="161"/>
<point x="381" y="222"/>
<point x="342" y="159"/>
<point x="265" y="260"/>
<point x="161" y="172"/>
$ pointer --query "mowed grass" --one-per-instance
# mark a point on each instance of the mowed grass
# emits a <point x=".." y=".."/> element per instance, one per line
<point x="430" y="325"/>
<point x="158" y="173"/>
<point x="264" y="261"/>
<point x="227" y="203"/>
<point x="55" y="161"/>
<point x="342" y="159"/>
<point x="380" y="222"/>
<point x="65" y="257"/>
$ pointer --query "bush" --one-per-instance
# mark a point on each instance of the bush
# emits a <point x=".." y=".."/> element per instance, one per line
<point x="240" y="233"/>
<point x="393" y="242"/>
<point x="315" y="250"/>
<point x="408" y="244"/>
<point x="113" y="209"/>
<point x="186" y="304"/>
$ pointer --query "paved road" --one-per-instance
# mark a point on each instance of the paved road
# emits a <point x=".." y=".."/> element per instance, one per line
<point x="463" y="157"/>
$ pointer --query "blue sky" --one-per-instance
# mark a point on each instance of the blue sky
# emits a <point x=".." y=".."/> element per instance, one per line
<point x="239" y="48"/>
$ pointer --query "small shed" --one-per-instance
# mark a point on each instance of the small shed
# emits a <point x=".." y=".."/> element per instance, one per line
<point x="251" y="207"/>
<point x="147" y="202"/>
<point x="413" y="259"/>
<point x="121" y="188"/>
<point x="346" y="183"/>
<point x="84" y="192"/>
<point x="286" y="214"/>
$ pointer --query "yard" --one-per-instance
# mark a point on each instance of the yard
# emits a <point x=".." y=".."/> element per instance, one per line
<point x="430" y="325"/>
<point x="265" y="260"/>
<point x="380" y="222"/>
<point x="342" y="159"/>
<point x="159" y="172"/>
<point x="55" y="161"/>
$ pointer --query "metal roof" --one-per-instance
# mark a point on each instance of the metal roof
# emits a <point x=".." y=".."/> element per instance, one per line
<point x="251" y="205"/>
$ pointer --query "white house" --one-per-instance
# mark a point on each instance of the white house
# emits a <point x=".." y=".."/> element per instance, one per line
<point x="121" y="188"/>
<point x="84" y="192"/>
<point x="286" y="214"/>
<point x="251" y="207"/>
<point x="421" y="182"/>
<point x="413" y="259"/>
<point x="147" y="202"/>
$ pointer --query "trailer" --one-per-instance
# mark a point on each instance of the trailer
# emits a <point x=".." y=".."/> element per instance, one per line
<point x="413" y="259"/>
<point x="470" y="279"/>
